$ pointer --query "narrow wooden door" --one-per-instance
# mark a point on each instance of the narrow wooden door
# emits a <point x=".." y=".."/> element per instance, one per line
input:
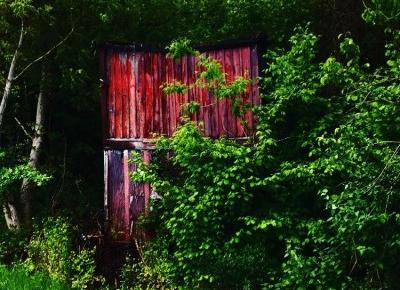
<point x="125" y="199"/>
<point x="115" y="194"/>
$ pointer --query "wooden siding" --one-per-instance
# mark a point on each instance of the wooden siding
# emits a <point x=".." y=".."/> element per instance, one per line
<point x="134" y="106"/>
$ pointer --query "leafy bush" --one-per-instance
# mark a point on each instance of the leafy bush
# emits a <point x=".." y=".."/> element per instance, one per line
<point x="51" y="251"/>
<point x="337" y="127"/>
<point x="153" y="271"/>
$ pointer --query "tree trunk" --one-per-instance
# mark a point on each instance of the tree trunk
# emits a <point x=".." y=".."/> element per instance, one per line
<point x="10" y="208"/>
<point x="37" y="143"/>
<point x="10" y="77"/>
<point x="11" y="215"/>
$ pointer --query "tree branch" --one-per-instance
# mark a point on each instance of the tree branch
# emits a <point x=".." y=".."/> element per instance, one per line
<point x="45" y="54"/>
<point x="23" y="128"/>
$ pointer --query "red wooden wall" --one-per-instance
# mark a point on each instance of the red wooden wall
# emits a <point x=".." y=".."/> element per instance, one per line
<point x="135" y="110"/>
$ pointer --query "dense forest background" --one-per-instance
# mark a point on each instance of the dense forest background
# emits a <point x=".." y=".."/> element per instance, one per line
<point x="320" y="183"/>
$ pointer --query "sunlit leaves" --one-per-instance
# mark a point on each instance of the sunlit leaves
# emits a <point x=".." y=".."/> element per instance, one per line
<point x="317" y="193"/>
<point x="19" y="8"/>
<point x="10" y="175"/>
<point x="181" y="47"/>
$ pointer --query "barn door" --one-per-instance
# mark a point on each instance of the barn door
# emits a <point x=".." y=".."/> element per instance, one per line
<point x="115" y="194"/>
<point x="125" y="200"/>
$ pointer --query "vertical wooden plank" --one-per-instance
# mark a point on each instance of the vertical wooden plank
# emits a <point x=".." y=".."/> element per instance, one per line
<point x="149" y="95"/>
<point x="163" y="97"/>
<point x="175" y="96"/>
<point x="116" y="195"/>
<point x="137" y="199"/>
<point x="132" y="76"/>
<point x="111" y="95"/>
<point x="191" y="79"/>
<point x="156" y="93"/>
<point x="247" y="96"/>
<point x="126" y="193"/>
<point x="118" y="96"/>
<point x="211" y="105"/>
<point x="142" y="96"/>
<point x="167" y="98"/>
<point x="171" y="98"/>
<point x="185" y="79"/>
<point x="147" y="189"/>
<point x="221" y="104"/>
<point x="254" y="75"/>
<point x="237" y="69"/>
<point x="106" y="216"/>
<point x="125" y="93"/>
<point x="223" y="109"/>
<point x="138" y="96"/>
<point x="230" y="126"/>
<point x="214" y="100"/>
<point x="206" y="109"/>
<point x="198" y="96"/>
<point x="178" y="97"/>
<point x="216" y="124"/>
<point x="159" y="93"/>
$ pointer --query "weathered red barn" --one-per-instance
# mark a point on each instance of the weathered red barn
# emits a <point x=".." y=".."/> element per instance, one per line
<point x="135" y="109"/>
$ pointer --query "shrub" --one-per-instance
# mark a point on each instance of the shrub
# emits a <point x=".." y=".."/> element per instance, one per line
<point x="152" y="271"/>
<point x="51" y="251"/>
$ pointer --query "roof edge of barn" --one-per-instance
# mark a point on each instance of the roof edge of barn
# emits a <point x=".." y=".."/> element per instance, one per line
<point x="260" y="39"/>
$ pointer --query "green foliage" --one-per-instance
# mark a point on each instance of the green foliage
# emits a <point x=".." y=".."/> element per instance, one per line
<point x="19" y="8"/>
<point x="180" y="47"/>
<point x="50" y="248"/>
<point x="51" y="251"/>
<point x="151" y="272"/>
<point x="9" y="176"/>
<point x="83" y="269"/>
<point x="12" y="175"/>
<point x="17" y="278"/>
<point x="378" y="11"/>
<point x="211" y="77"/>
<point x="174" y="87"/>
<point x="311" y="204"/>
<point x="12" y="246"/>
<point x="202" y="203"/>
<point x="191" y="107"/>
<point x="343" y="120"/>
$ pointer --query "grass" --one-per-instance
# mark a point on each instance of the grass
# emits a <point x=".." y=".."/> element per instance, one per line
<point x="17" y="278"/>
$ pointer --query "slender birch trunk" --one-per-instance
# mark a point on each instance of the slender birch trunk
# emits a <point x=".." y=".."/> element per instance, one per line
<point x="37" y="144"/>
<point x="10" y="77"/>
